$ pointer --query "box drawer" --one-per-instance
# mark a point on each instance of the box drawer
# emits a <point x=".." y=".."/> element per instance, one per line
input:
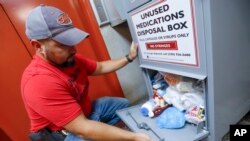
<point x="188" y="133"/>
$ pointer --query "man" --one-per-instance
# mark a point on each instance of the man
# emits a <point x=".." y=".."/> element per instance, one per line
<point x="55" y="84"/>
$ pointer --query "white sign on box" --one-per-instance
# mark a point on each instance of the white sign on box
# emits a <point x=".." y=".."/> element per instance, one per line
<point x="166" y="32"/>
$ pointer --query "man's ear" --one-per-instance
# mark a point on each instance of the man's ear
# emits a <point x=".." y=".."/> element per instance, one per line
<point x="36" y="44"/>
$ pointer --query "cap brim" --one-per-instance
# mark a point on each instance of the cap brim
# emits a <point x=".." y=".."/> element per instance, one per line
<point x="71" y="37"/>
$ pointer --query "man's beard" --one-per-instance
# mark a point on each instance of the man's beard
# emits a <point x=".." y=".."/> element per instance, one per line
<point x="67" y="64"/>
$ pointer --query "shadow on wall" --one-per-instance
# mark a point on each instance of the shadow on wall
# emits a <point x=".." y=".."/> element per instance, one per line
<point x="3" y="136"/>
<point x="123" y="30"/>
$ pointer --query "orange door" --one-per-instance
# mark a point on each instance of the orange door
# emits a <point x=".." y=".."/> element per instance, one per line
<point x="13" y="59"/>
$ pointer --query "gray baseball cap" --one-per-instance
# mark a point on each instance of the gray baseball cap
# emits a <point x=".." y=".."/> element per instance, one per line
<point x="49" y="22"/>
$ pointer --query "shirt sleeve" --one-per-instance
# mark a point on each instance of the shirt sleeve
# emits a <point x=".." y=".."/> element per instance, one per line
<point x="49" y="97"/>
<point x="88" y="64"/>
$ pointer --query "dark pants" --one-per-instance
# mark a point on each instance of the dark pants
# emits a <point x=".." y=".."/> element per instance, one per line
<point x="46" y="135"/>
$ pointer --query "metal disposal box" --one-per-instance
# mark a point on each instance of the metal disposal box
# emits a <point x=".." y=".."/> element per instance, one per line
<point x="203" y="41"/>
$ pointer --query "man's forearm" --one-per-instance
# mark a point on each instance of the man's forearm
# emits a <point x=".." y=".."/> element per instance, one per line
<point x="110" y="65"/>
<point x="98" y="131"/>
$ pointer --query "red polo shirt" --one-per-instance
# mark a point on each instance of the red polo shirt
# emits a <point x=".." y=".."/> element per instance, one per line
<point x="53" y="97"/>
